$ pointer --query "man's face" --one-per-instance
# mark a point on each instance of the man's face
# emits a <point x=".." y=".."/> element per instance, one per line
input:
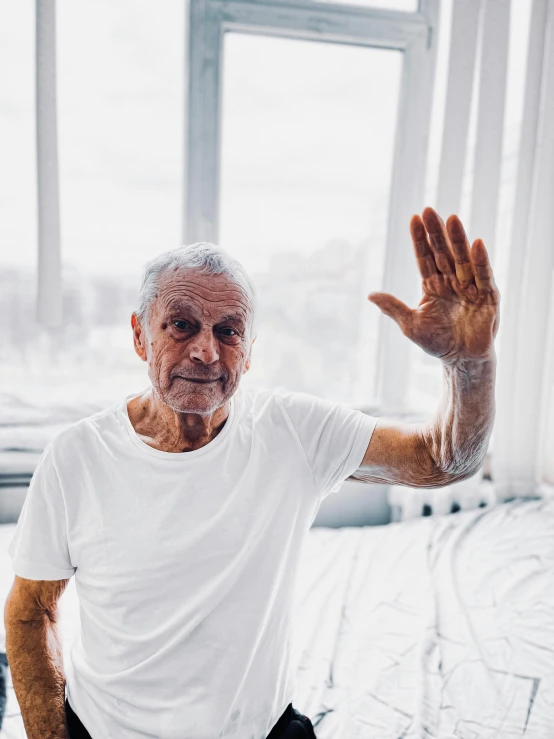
<point x="198" y="340"/>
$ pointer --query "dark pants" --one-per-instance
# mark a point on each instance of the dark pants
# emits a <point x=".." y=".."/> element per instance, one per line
<point x="3" y="685"/>
<point x="291" y="725"/>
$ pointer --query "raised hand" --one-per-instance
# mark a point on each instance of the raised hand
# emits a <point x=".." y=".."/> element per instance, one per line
<point x="457" y="317"/>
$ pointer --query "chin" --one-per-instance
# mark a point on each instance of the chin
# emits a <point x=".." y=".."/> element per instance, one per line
<point x="202" y="400"/>
<point x="191" y="405"/>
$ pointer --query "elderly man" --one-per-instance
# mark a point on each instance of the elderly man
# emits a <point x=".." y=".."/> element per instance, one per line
<point x="182" y="509"/>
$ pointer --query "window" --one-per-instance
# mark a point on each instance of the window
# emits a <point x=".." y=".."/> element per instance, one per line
<point x="282" y="170"/>
<point x="120" y="120"/>
<point x="307" y="152"/>
<point x="120" y="113"/>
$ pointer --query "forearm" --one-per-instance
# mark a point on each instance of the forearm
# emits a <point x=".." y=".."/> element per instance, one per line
<point x="458" y="436"/>
<point x="35" y="657"/>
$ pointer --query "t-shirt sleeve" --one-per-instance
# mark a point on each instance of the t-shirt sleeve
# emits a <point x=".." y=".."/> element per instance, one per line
<point x="333" y="436"/>
<point x="39" y="548"/>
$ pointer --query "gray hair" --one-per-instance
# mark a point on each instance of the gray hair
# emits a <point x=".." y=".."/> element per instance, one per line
<point x="203" y="256"/>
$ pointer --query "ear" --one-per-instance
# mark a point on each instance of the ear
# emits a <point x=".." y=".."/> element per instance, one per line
<point x="247" y="365"/>
<point x="139" y="338"/>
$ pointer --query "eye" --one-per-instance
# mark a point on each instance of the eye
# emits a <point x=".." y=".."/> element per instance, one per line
<point x="181" y="328"/>
<point x="230" y="329"/>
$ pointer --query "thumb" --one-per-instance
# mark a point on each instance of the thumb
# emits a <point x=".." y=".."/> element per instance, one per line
<point x="392" y="307"/>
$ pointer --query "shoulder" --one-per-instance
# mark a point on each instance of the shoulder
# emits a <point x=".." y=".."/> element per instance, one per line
<point x="300" y="402"/>
<point x="80" y="436"/>
<point x="281" y="405"/>
<point x="260" y="397"/>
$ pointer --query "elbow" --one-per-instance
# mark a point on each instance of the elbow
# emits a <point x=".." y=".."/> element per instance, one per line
<point x="441" y="478"/>
<point x="33" y="602"/>
<point x="441" y="470"/>
<point x="457" y="476"/>
<point x="461" y="469"/>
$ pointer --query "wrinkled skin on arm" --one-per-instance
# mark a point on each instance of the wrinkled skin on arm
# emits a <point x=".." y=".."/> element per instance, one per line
<point x="34" y="652"/>
<point x="455" y="321"/>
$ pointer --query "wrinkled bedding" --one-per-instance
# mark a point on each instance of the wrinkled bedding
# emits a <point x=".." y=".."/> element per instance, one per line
<point x="436" y="627"/>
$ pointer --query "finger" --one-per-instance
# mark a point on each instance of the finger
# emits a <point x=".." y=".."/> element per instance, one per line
<point x="424" y="255"/>
<point x="394" y="308"/>
<point x="460" y="249"/>
<point x="481" y="266"/>
<point x="438" y="241"/>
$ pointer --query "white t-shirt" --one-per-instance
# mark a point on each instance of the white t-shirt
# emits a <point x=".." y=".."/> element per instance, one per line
<point x="185" y="563"/>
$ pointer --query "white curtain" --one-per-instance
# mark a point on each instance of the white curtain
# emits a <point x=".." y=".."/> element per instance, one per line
<point x="523" y="382"/>
<point x="522" y="449"/>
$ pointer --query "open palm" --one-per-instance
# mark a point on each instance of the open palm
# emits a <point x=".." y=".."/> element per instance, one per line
<point x="457" y="317"/>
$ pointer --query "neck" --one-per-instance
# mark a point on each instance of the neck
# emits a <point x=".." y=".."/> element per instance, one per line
<point x="168" y="430"/>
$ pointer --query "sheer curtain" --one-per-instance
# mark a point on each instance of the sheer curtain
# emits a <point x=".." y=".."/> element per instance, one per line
<point x="521" y="458"/>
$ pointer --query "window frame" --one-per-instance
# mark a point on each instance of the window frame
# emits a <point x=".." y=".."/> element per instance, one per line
<point x="414" y="34"/>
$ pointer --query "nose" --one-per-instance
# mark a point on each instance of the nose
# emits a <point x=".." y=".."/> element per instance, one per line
<point x="204" y="348"/>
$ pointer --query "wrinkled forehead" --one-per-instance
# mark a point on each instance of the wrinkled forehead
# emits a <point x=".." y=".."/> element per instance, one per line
<point x="204" y="295"/>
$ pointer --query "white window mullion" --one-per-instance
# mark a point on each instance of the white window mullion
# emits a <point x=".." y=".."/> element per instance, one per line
<point x="49" y="293"/>
<point x="400" y="274"/>
<point x="204" y="123"/>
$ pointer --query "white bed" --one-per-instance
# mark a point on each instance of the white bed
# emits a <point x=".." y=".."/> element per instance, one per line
<point x="436" y="627"/>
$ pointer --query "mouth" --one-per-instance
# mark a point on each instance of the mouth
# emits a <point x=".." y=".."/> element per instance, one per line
<point x="201" y="382"/>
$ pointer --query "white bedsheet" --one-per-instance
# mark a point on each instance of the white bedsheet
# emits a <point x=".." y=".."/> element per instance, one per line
<point x="437" y="627"/>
